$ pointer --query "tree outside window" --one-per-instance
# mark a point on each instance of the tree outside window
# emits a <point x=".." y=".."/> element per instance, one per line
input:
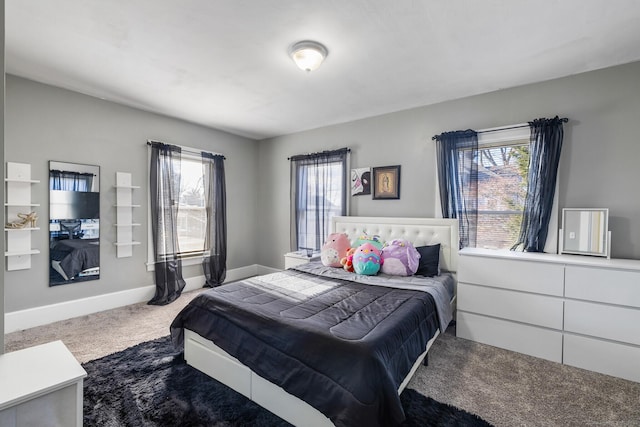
<point x="502" y="187"/>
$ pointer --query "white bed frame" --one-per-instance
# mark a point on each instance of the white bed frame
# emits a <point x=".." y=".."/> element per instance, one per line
<point x="205" y="356"/>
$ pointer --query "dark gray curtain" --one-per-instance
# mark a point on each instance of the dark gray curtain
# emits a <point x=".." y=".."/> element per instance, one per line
<point x="457" y="153"/>
<point x="70" y="181"/>
<point x="215" y="264"/>
<point x="311" y="208"/>
<point x="545" y="146"/>
<point x="165" y="193"/>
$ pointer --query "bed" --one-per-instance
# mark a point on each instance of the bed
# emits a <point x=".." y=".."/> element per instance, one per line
<point x="351" y="372"/>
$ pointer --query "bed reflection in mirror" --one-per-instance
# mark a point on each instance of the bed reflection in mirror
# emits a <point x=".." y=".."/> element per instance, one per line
<point x="74" y="223"/>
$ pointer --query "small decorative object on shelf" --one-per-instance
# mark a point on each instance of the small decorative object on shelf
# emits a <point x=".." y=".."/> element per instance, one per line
<point x="19" y="224"/>
<point x="26" y="220"/>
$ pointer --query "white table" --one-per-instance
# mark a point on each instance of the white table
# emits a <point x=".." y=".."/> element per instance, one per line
<point x="293" y="259"/>
<point x="41" y="386"/>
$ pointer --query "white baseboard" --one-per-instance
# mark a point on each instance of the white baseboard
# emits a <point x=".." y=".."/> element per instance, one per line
<point x="38" y="316"/>
<point x="261" y="269"/>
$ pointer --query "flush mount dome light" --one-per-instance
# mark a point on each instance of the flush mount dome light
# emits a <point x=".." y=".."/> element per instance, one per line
<point x="308" y="55"/>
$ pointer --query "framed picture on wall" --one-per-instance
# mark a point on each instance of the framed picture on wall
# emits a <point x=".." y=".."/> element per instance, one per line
<point x="386" y="182"/>
<point x="360" y="181"/>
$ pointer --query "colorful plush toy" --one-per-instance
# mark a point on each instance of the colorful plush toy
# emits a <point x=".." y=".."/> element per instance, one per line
<point x="334" y="249"/>
<point x="347" y="261"/>
<point x="400" y="257"/>
<point x="367" y="260"/>
<point x="374" y="240"/>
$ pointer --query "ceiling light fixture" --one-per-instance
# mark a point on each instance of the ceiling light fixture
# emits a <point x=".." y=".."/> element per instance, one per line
<point x="308" y="55"/>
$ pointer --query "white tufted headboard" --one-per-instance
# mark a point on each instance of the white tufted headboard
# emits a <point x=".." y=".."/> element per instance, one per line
<point x="419" y="231"/>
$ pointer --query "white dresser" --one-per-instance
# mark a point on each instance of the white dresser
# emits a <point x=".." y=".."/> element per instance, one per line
<point x="578" y="310"/>
<point x="41" y="386"/>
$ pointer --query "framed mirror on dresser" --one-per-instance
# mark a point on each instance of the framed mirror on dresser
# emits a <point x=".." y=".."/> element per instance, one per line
<point x="585" y="232"/>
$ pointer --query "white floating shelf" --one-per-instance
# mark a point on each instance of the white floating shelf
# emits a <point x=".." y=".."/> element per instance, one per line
<point x="17" y="198"/>
<point x="20" y="253"/>
<point x="124" y="214"/>
<point x="127" y="243"/>
<point x="30" y="181"/>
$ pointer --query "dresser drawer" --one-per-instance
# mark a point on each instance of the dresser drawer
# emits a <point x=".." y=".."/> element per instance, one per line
<point x="532" y="340"/>
<point x="528" y="276"/>
<point x="603" y="321"/>
<point x="535" y="309"/>
<point x="603" y="285"/>
<point x="606" y="357"/>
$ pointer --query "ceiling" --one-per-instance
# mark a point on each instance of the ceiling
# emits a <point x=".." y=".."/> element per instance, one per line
<point x="224" y="63"/>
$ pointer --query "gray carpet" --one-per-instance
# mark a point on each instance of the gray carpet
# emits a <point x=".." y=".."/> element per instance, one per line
<point x="504" y="388"/>
<point x="151" y="385"/>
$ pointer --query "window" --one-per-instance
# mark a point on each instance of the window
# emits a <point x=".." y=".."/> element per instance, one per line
<point x="192" y="219"/>
<point x="485" y="177"/>
<point x="320" y="200"/>
<point x="318" y="183"/>
<point x="502" y="189"/>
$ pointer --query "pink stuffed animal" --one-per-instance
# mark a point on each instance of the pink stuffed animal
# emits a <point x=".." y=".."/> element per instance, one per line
<point x="334" y="249"/>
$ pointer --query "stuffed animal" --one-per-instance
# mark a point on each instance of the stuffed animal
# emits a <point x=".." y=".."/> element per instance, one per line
<point x="367" y="260"/>
<point x="374" y="240"/>
<point x="334" y="249"/>
<point x="400" y="257"/>
<point x="347" y="261"/>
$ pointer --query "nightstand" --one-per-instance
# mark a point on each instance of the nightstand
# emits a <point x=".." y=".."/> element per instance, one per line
<point x="41" y="386"/>
<point x="292" y="259"/>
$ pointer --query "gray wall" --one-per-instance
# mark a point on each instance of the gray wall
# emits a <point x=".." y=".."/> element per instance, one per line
<point x="2" y="262"/>
<point x="598" y="165"/>
<point x="47" y="123"/>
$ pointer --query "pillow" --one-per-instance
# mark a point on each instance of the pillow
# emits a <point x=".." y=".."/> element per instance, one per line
<point x="334" y="249"/>
<point x="400" y="258"/>
<point x="429" y="264"/>
<point x="367" y="260"/>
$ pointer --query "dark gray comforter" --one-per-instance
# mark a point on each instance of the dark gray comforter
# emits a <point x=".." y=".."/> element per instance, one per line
<point x="343" y="347"/>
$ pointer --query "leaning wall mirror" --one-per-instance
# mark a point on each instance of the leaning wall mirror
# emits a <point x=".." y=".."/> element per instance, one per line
<point x="585" y="232"/>
<point x="74" y="223"/>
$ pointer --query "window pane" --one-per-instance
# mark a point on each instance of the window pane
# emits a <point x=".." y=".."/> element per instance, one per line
<point x="191" y="212"/>
<point x="319" y="201"/>
<point x="502" y="186"/>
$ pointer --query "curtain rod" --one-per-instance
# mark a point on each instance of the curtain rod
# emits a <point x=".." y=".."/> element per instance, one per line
<point x="322" y="152"/>
<point x="187" y="149"/>
<point x="523" y="125"/>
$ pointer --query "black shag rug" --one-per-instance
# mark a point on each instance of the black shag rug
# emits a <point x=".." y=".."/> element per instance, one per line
<point x="151" y="385"/>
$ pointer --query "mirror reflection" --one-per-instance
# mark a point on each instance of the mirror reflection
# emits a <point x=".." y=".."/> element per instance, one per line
<point x="585" y="231"/>
<point x="74" y="223"/>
